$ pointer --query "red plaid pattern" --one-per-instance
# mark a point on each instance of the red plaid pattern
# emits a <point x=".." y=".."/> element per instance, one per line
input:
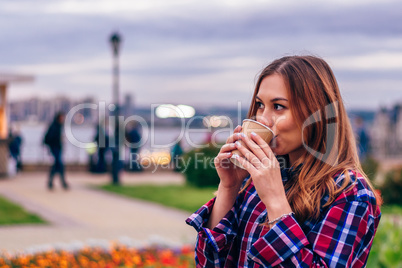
<point x="340" y="237"/>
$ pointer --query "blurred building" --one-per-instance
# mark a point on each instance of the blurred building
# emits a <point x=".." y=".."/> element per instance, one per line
<point x="127" y="107"/>
<point x="386" y="132"/>
<point x="43" y="110"/>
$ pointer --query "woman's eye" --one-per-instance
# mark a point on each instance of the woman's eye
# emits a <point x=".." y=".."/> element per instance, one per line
<point x="259" y="105"/>
<point x="278" y="107"/>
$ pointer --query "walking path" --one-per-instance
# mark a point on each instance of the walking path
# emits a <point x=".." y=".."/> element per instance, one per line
<point x="86" y="215"/>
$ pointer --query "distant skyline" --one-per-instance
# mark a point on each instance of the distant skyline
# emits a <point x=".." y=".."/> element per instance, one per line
<point x="203" y="53"/>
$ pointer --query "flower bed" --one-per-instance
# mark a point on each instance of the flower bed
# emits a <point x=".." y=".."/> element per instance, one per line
<point x="116" y="256"/>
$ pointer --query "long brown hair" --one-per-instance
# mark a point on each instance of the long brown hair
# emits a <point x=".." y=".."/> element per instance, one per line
<point x="316" y="104"/>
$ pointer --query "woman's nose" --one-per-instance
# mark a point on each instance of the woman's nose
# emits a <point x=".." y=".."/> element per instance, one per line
<point x="266" y="119"/>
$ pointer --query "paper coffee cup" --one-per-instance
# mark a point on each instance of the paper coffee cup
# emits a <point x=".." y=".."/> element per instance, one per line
<point x="249" y="126"/>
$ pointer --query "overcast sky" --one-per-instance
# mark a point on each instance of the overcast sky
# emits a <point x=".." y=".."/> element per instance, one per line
<point x="198" y="52"/>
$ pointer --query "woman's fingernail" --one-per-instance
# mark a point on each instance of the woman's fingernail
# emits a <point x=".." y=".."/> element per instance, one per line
<point x="235" y="156"/>
<point x="229" y="153"/>
<point x="253" y="133"/>
<point x="232" y="145"/>
<point x="243" y="135"/>
<point x="238" y="144"/>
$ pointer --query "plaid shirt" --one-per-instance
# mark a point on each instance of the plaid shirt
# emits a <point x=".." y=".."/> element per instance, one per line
<point x="340" y="237"/>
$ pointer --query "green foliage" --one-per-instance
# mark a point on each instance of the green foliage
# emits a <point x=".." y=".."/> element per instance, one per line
<point x="370" y="167"/>
<point x="11" y="213"/>
<point x="387" y="245"/>
<point x="178" y="196"/>
<point x="391" y="210"/>
<point x="199" y="167"/>
<point x="391" y="189"/>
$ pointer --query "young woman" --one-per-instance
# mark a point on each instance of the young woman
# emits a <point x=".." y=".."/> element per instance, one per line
<point x="321" y="211"/>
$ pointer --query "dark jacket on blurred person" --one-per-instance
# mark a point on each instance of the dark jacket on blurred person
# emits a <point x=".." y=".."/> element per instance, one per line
<point x="102" y="141"/>
<point x="53" y="140"/>
<point x="15" y="148"/>
<point x="53" y="134"/>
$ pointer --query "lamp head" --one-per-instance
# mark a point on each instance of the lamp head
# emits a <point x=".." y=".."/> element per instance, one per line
<point x="115" y="40"/>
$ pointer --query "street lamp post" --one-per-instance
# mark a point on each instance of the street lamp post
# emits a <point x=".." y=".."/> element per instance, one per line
<point x="115" y="41"/>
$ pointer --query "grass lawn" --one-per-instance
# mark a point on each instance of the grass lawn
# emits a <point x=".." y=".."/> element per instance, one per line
<point x="187" y="197"/>
<point x="391" y="210"/>
<point x="11" y="213"/>
<point x="387" y="245"/>
<point x="178" y="196"/>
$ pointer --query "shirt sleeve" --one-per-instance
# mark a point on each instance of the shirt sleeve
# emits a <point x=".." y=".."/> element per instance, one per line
<point x="342" y="238"/>
<point x="213" y="245"/>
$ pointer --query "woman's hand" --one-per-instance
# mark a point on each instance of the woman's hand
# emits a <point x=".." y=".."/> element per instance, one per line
<point x="231" y="178"/>
<point x="230" y="175"/>
<point x="264" y="168"/>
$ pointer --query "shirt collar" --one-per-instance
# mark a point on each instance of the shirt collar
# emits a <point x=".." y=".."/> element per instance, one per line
<point x="289" y="173"/>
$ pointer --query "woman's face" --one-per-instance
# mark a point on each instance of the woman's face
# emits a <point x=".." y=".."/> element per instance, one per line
<point x="274" y="111"/>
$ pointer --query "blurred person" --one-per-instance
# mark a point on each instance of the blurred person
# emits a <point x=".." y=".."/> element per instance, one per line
<point x="320" y="210"/>
<point x="363" y="139"/>
<point x="102" y="141"/>
<point x="133" y="136"/>
<point x="53" y="139"/>
<point x="176" y="154"/>
<point x="15" y="147"/>
<point x="208" y="139"/>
